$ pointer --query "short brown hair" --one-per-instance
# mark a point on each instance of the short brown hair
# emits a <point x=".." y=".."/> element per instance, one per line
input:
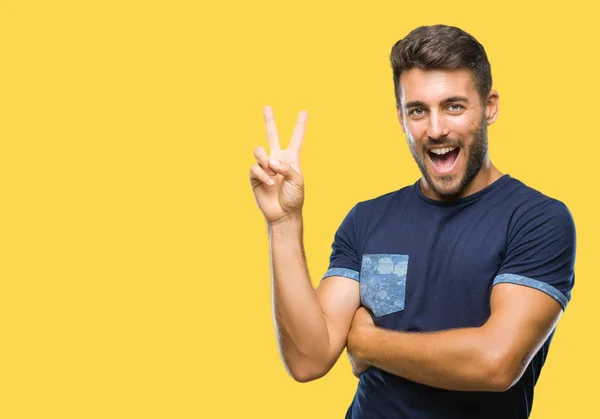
<point x="441" y="47"/>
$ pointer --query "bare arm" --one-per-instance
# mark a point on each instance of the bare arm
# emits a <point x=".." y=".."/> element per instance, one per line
<point x="311" y="327"/>
<point x="488" y="358"/>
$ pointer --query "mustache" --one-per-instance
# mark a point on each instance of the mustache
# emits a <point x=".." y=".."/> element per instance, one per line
<point x="443" y="142"/>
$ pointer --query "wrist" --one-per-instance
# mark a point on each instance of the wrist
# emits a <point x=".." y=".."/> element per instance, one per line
<point x="360" y="339"/>
<point x="291" y="223"/>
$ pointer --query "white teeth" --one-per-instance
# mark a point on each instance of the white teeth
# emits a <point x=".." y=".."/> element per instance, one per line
<point x="440" y="151"/>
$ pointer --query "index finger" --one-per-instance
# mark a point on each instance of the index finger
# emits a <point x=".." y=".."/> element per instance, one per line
<point x="299" y="130"/>
<point x="272" y="135"/>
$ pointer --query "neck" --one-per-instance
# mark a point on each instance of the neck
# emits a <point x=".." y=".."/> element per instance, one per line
<point x="486" y="176"/>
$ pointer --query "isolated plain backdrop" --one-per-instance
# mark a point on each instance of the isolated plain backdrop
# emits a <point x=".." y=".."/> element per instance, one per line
<point x="134" y="274"/>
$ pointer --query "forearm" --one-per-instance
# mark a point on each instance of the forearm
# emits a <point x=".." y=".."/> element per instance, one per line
<point x="299" y="322"/>
<point x="458" y="359"/>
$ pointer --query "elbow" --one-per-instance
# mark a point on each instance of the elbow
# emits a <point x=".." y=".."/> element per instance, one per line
<point x="500" y="381"/>
<point x="501" y="374"/>
<point x="304" y="372"/>
<point x="304" y="376"/>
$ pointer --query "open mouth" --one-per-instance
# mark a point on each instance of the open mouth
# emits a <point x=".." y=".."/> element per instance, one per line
<point x="444" y="159"/>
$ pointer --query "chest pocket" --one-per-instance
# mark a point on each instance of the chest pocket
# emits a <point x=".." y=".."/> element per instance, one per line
<point x="383" y="282"/>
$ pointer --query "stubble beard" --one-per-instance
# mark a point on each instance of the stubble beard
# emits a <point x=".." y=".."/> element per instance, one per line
<point x="477" y="156"/>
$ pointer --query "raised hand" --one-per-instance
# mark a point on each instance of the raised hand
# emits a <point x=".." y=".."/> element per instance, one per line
<point x="277" y="180"/>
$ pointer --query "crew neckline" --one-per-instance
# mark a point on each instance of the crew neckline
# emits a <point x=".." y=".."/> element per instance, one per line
<point x="497" y="184"/>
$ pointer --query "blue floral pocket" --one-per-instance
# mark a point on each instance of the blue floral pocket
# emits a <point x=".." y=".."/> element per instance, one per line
<point x="383" y="283"/>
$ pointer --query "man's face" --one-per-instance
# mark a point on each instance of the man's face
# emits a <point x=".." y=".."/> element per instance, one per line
<point x="445" y="123"/>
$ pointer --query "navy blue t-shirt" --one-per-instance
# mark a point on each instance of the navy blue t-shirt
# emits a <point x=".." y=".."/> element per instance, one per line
<point x="426" y="265"/>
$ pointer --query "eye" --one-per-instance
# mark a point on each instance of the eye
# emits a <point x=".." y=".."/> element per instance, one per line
<point x="455" y="107"/>
<point x="417" y="112"/>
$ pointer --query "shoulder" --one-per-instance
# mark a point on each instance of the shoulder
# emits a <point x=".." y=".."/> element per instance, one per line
<point x="383" y="202"/>
<point x="368" y="213"/>
<point x="531" y="209"/>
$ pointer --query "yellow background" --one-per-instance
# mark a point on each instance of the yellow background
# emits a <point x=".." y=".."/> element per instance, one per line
<point x="134" y="274"/>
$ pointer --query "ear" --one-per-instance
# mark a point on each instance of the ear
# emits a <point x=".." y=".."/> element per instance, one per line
<point x="400" y="117"/>
<point x="492" y="107"/>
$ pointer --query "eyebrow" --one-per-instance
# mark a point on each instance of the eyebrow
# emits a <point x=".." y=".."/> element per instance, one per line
<point x="418" y="103"/>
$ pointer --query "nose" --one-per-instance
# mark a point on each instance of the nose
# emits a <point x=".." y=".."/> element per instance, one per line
<point x="437" y="126"/>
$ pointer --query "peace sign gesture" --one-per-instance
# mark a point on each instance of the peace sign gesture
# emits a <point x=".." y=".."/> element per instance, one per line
<point x="276" y="180"/>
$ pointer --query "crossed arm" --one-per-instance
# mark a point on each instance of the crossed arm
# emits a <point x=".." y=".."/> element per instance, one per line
<point x="487" y="358"/>
<point x="314" y="326"/>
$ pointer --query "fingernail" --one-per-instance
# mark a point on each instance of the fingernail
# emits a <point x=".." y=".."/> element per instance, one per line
<point x="274" y="163"/>
<point x="270" y="181"/>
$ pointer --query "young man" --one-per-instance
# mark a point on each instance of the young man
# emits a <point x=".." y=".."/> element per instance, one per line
<point x="446" y="292"/>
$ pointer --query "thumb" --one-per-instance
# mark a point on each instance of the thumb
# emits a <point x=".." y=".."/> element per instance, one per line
<point x="289" y="172"/>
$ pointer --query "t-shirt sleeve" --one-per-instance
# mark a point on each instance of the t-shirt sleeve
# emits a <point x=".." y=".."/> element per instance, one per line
<point x="344" y="260"/>
<point x="541" y="252"/>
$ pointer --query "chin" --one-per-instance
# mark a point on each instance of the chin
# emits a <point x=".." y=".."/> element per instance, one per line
<point x="447" y="188"/>
<point x="448" y="193"/>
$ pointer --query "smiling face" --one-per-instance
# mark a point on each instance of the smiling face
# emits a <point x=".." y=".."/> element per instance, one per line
<point x="445" y="123"/>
